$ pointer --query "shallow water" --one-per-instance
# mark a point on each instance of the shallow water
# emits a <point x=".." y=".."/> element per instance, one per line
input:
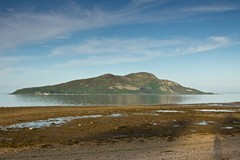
<point x="226" y="127"/>
<point x="204" y="123"/>
<point x="217" y="110"/>
<point x="40" y="123"/>
<point x="117" y="100"/>
<point x="169" y="111"/>
<point x="54" y="121"/>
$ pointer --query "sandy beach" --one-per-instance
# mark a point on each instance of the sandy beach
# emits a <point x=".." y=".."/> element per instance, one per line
<point x="206" y="131"/>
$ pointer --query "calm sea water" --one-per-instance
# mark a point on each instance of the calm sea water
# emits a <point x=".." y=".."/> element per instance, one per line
<point x="92" y="100"/>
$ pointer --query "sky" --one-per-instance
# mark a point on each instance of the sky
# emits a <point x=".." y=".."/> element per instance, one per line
<point x="194" y="43"/>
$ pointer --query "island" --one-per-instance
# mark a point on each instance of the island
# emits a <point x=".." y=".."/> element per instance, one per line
<point x="134" y="83"/>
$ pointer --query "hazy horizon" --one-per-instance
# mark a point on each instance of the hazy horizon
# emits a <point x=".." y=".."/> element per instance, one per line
<point x="194" y="43"/>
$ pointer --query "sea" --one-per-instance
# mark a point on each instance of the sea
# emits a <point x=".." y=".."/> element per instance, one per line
<point x="8" y="100"/>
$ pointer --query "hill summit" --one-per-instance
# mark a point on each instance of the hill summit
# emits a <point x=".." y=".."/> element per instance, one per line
<point x="134" y="83"/>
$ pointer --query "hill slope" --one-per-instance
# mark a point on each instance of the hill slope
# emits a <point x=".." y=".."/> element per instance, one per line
<point x="140" y="83"/>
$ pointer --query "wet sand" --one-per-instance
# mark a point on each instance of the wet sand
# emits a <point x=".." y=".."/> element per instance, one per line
<point x="127" y="132"/>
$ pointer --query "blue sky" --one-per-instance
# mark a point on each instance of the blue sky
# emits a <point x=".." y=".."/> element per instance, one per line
<point x="194" y="43"/>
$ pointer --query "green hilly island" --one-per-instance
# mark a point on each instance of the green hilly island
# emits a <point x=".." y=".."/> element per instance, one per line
<point x="135" y="83"/>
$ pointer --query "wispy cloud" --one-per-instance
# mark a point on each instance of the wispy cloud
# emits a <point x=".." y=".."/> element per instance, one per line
<point x="6" y="61"/>
<point x="212" y="43"/>
<point x="99" y="46"/>
<point x="210" y="8"/>
<point x="104" y="60"/>
<point x="101" y="51"/>
<point x="10" y="65"/>
<point x="12" y="71"/>
<point x="23" y="28"/>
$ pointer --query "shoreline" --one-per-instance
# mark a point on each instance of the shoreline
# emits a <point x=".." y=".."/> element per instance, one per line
<point x="117" y="100"/>
<point x="119" y="130"/>
<point x="230" y="104"/>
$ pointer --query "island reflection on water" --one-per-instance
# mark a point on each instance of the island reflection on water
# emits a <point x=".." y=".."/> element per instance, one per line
<point x="91" y="100"/>
<point x="117" y="100"/>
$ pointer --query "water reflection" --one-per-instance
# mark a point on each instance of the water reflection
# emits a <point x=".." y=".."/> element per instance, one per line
<point x="99" y="99"/>
<point x="94" y="100"/>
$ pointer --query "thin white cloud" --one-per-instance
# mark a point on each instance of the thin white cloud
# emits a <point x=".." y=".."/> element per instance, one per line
<point x="23" y="28"/>
<point x="104" y="60"/>
<point x="97" y="46"/>
<point x="6" y="61"/>
<point x="210" y="8"/>
<point x="101" y="51"/>
<point x="10" y="71"/>
<point x="15" y="64"/>
<point x="212" y="43"/>
<point x="221" y="40"/>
